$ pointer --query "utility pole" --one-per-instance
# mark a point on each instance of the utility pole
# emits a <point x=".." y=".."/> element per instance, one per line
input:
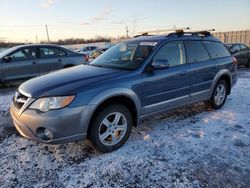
<point x="127" y="31"/>
<point x="36" y="39"/>
<point x="47" y="32"/>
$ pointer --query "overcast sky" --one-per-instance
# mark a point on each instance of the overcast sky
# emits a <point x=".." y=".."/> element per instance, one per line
<point x="22" y="20"/>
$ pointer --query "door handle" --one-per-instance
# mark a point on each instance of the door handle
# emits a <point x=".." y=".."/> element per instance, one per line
<point x="59" y="60"/>
<point x="33" y="62"/>
<point x="183" y="73"/>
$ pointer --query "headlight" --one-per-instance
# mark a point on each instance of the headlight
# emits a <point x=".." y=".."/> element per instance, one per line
<point x="48" y="103"/>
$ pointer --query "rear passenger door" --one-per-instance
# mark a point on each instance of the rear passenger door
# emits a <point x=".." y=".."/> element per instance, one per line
<point x="167" y="88"/>
<point x="51" y="58"/>
<point x="203" y="69"/>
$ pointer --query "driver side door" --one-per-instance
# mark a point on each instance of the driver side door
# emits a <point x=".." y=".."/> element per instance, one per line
<point x="167" y="88"/>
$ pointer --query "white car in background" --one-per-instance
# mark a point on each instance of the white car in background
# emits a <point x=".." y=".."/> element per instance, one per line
<point x="88" y="49"/>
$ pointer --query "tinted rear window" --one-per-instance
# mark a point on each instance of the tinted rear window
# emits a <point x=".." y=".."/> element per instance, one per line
<point x="196" y="51"/>
<point x="216" y="49"/>
<point x="243" y="47"/>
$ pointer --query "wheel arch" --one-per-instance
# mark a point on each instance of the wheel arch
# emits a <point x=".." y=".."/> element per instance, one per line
<point x="228" y="81"/>
<point x="225" y="75"/>
<point x="122" y="96"/>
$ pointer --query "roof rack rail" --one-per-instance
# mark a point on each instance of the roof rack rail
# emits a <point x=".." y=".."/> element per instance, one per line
<point x="143" y="34"/>
<point x="201" y="32"/>
<point x="177" y="30"/>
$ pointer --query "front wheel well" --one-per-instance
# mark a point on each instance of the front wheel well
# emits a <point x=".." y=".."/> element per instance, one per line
<point x="122" y="100"/>
<point x="228" y="81"/>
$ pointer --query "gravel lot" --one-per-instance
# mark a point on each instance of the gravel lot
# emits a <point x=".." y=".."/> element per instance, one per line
<point x="191" y="147"/>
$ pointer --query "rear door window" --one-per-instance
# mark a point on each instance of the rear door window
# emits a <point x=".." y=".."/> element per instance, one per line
<point x="61" y="53"/>
<point x="243" y="47"/>
<point x="196" y="51"/>
<point x="216" y="49"/>
<point x="46" y="52"/>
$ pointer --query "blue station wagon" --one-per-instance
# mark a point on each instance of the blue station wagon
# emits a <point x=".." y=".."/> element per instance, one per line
<point x="134" y="79"/>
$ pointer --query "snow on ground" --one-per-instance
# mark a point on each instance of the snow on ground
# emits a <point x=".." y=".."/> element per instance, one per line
<point x="191" y="147"/>
<point x="6" y="96"/>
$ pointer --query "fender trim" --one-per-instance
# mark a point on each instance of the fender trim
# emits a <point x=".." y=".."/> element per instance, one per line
<point x="223" y="72"/>
<point x="114" y="92"/>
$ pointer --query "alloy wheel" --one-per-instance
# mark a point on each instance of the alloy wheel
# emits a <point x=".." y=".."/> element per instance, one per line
<point x="220" y="94"/>
<point x="112" y="129"/>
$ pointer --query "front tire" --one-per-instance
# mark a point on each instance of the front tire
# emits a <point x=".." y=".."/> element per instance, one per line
<point x="219" y="96"/>
<point x="111" y="128"/>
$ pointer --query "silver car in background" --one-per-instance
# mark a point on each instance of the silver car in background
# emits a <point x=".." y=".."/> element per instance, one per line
<point x="27" y="61"/>
<point x="88" y="50"/>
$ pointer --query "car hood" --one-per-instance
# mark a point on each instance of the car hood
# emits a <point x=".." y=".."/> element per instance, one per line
<point x="68" y="81"/>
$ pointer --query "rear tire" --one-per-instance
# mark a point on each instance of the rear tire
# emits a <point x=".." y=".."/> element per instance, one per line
<point x="111" y="128"/>
<point x="219" y="95"/>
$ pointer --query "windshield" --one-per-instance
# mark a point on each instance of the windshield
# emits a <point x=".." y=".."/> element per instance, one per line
<point x="126" y="55"/>
<point x="6" y="52"/>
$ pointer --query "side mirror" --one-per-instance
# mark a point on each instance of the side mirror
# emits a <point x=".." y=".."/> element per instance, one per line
<point x="7" y="59"/>
<point x="160" y="64"/>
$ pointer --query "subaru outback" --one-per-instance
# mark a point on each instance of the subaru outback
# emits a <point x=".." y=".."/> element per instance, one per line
<point x="134" y="79"/>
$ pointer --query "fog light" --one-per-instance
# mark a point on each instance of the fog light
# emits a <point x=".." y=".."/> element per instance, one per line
<point x="48" y="134"/>
<point x="44" y="134"/>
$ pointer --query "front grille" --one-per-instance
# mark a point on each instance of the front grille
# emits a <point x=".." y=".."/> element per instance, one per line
<point x="19" y="100"/>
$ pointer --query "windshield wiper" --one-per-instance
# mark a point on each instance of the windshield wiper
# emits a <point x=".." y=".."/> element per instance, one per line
<point x="95" y="65"/>
<point x="112" y="67"/>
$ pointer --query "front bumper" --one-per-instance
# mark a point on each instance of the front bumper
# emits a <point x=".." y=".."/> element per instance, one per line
<point x="67" y="124"/>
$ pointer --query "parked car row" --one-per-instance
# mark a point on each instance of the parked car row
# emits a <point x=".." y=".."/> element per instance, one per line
<point x="92" y="52"/>
<point x="27" y="61"/>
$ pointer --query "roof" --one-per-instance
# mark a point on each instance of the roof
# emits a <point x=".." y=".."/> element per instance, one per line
<point x="30" y="45"/>
<point x="173" y="36"/>
<point x="154" y="38"/>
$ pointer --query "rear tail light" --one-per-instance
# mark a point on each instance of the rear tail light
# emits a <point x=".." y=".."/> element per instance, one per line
<point x="235" y="61"/>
